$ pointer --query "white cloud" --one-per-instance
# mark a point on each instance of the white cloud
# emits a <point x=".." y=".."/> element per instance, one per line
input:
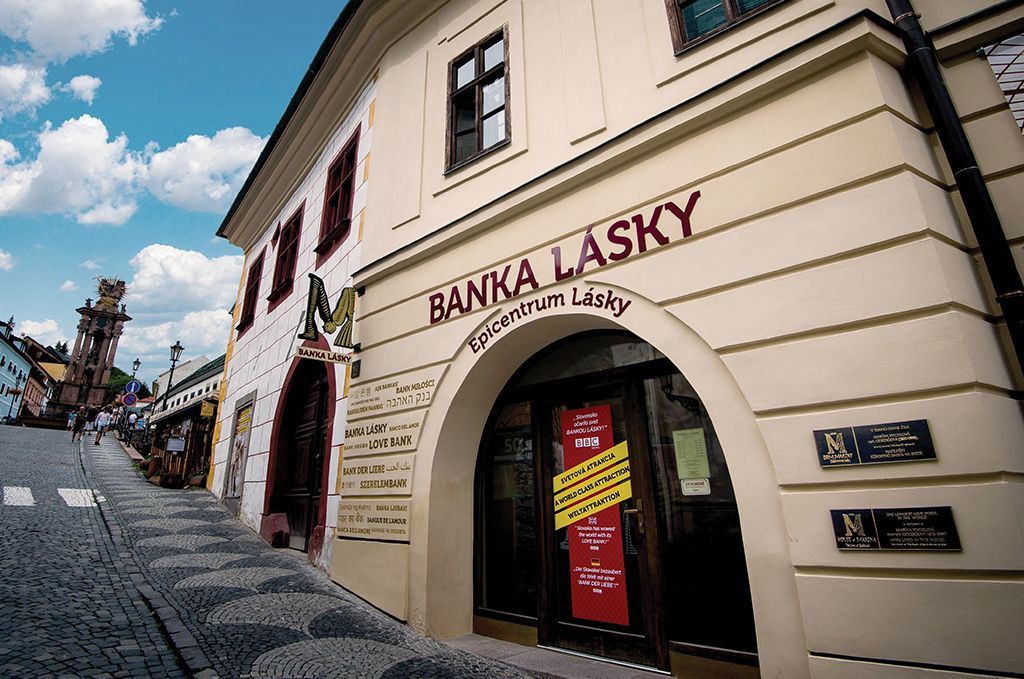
<point x="46" y="332"/>
<point x="200" y="332"/>
<point x="181" y="295"/>
<point x="204" y="173"/>
<point x="68" y="286"/>
<point x="89" y="264"/>
<point x="168" y="279"/>
<point x="83" y="87"/>
<point x="7" y="261"/>
<point x="79" y="171"/>
<point x="108" y="214"/>
<point x="22" y="88"/>
<point x="59" y="29"/>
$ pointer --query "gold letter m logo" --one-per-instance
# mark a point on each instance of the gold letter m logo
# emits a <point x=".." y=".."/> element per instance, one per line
<point x="338" y="320"/>
<point x="854" y="525"/>
<point x="834" y="442"/>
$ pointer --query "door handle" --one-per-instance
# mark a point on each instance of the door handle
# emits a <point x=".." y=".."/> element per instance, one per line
<point x="639" y="511"/>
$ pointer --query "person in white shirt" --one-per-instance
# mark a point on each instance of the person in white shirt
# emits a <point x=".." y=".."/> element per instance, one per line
<point x="102" y="422"/>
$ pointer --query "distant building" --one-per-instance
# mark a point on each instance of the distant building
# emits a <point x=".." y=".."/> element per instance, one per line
<point x="15" y="369"/>
<point x="181" y="371"/>
<point x="49" y="367"/>
<point x="183" y="425"/>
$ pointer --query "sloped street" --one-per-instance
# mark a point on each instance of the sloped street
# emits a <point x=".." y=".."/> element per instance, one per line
<point x="106" y="575"/>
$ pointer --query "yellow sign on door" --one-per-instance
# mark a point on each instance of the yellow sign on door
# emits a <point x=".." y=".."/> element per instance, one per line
<point x="608" y="498"/>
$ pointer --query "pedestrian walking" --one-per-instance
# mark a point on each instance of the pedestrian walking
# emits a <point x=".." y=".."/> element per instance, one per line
<point x="71" y="420"/>
<point x="79" y="423"/>
<point x="102" y="422"/>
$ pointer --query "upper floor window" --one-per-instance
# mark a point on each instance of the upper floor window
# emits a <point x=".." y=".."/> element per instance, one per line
<point x="1007" y="61"/>
<point x="478" y="119"/>
<point x="287" y="256"/>
<point x="252" y="289"/>
<point x="336" y="222"/>
<point x="693" y="20"/>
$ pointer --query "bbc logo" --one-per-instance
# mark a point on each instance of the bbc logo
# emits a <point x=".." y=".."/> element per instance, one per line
<point x="587" y="442"/>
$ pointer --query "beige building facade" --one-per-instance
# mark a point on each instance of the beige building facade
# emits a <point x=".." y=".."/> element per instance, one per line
<point x="673" y="343"/>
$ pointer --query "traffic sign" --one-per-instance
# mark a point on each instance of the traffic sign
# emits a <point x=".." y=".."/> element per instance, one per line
<point x="130" y="399"/>
<point x="133" y="386"/>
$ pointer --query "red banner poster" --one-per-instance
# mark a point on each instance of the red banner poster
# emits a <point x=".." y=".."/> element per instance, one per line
<point x="597" y="567"/>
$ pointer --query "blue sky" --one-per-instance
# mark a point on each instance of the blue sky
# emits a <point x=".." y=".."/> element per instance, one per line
<point x="126" y="129"/>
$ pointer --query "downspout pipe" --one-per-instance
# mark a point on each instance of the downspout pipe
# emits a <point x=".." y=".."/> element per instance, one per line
<point x="923" y="65"/>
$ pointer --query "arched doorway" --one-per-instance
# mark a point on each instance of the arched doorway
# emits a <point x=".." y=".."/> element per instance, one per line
<point x="301" y="444"/>
<point x="605" y="514"/>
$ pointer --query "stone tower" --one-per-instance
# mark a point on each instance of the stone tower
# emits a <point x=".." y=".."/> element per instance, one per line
<point x="85" y="381"/>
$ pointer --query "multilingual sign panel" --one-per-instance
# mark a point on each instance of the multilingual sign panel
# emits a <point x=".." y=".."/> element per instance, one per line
<point x="875" y="444"/>
<point x="904" y="529"/>
<point x="390" y="434"/>
<point x="384" y="520"/>
<point x="382" y="397"/>
<point x="387" y="476"/>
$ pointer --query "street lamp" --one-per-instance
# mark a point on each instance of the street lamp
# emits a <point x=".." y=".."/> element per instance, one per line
<point x="135" y="367"/>
<point x="176" y="350"/>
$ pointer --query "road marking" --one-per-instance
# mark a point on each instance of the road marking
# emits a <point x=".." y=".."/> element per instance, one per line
<point x="77" y="497"/>
<point x="18" y="496"/>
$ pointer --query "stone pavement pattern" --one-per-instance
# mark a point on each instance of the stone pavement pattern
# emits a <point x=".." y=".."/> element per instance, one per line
<point x="68" y="605"/>
<point x="226" y="603"/>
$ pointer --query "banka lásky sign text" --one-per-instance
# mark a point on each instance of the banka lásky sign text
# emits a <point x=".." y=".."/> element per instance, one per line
<point x="598" y="247"/>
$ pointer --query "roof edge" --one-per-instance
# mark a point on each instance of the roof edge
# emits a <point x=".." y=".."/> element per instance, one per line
<point x="337" y="30"/>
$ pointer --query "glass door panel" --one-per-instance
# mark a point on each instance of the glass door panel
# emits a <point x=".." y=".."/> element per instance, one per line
<point x="598" y="581"/>
<point x="508" y="554"/>
<point x="707" y="594"/>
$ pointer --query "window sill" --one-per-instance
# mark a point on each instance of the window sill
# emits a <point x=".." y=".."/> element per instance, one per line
<point x="334" y="237"/>
<point x="280" y="293"/>
<point x="469" y="161"/>
<point x="281" y="290"/>
<point x="244" y="325"/>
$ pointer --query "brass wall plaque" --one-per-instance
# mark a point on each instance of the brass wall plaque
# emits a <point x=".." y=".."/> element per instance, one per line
<point x="904" y="529"/>
<point x="908" y="441"/>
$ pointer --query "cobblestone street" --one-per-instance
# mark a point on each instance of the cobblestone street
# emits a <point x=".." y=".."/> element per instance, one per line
<point x="106" y="575"/>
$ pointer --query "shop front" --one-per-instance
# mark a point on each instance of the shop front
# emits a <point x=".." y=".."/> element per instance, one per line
<point x="585" y="482"/>
<point x="605" y="513"/>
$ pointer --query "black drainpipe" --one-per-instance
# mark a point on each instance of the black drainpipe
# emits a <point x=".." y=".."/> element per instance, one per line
<point x="1002" y="270"/>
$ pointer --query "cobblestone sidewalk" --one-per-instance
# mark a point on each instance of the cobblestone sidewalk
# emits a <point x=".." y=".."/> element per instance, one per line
<point x="235" y="607"/>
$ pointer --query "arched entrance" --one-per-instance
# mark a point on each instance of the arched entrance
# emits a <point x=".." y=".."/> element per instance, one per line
<point x="605" y="514"/>
<point x="300" y="450"/>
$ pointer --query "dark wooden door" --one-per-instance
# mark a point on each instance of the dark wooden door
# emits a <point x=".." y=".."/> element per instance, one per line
<point x="601" y="578"/>
<point x="300" y="457"/>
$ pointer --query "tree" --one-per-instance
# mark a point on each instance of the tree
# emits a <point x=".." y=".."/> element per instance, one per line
<point x="119" y="378"/>
<point x="62" y="347"/>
